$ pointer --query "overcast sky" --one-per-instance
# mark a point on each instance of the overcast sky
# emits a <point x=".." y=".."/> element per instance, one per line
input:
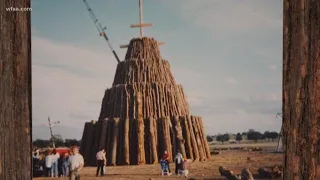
<point x="227" y="54"/>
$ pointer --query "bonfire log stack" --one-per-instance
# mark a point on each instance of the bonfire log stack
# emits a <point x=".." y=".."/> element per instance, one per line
<point x="144" y="113"/>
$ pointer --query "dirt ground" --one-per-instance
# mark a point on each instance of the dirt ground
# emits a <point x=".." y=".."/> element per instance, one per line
<point x="234" y="160"/>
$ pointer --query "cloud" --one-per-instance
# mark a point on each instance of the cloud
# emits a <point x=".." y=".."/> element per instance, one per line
<point x="233" y="16"/>
<point x="65" y="79"/>
<point x="231" y="80"/>
<point x="272" y="66"/>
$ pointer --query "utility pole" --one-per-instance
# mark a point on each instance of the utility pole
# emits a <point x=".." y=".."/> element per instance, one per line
<point x="51" y="133"/>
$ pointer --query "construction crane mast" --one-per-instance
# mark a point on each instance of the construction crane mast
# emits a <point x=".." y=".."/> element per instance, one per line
<point x="100" y="29"/>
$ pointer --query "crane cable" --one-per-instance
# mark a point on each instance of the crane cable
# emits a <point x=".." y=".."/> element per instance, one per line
<point x="100" y="29"/>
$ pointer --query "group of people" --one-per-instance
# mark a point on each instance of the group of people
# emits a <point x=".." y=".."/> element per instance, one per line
<point x="180" y="164"/>
<point x="68" y="164"/>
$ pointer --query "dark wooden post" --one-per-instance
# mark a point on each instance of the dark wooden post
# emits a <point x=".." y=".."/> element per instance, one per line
<point x="301" y="87"/>
<point x="15" y="91"/>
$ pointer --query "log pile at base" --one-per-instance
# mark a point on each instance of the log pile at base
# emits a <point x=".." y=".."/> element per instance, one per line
<point x="144" y="114"/>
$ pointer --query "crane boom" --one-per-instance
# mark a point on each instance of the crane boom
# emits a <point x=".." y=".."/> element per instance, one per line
<point x="100" y="29"/>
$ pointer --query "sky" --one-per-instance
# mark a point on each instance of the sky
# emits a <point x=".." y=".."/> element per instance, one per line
<point x="227" y="55"/>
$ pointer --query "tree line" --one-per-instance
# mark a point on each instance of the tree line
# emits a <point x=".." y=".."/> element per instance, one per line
<point x="58" y="141"/>
<point x="250" y="135"/>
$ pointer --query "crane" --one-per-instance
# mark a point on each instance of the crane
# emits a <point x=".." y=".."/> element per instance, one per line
<point x="100" y="29"/>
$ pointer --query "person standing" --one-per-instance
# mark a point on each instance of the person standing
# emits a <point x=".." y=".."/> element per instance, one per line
<point x="48" y="163"/>
<point x="178" y="162"/>
<point x="166" y="158"/>
<point x="64" y="165"/>
<point x="75" y="163"/>
<point x="105" y="162"/>
<point x="55" y="158"/>
<point x="100" y="161"/>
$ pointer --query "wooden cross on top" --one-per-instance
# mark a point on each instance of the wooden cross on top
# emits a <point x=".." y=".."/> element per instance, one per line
<point x="140" y="25"/>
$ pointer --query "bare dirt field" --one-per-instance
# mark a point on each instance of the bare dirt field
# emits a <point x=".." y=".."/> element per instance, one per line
<point x="235" y="160"/>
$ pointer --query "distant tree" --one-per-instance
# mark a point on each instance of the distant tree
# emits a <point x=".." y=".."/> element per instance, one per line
<point x="238" y="137"/>
<point x="40" y="143"/>
<point x="58" y="141"/>
<point x="71" y="142"/>
<point x="254" y="135"/>
<point x="266" y="135"/>
<point x="223" y="137"/>
<point x="209" y="138"/>
<point x="273" y="135"/>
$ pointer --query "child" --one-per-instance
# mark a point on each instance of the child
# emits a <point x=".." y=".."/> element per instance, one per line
<point x="184" y="169"/>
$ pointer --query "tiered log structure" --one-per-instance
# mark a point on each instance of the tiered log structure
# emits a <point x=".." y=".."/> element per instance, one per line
<point x="144" y="114"/>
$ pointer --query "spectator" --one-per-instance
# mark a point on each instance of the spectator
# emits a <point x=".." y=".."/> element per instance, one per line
<point x="100" y="161"/>
<point x="166" y="158"/>
<point x="178" y="162"/>
<point x="48" y="163"/>
<point x="54" y="169"/>
<point x="75" y="163"/>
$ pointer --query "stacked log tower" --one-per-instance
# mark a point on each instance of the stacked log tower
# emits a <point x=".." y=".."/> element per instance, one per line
<point x="144" y="113"/>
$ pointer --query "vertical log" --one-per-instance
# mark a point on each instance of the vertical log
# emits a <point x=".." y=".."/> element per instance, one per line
<point x="147" y="141"/>
<point x="197" y="136"/>
<point x="89" y="144"/>
<point x="204" y="139"/>
<point x="126" y="142"/>
<point x="140" y="130"/>
<point x="153" y="141"/>
<point x="179" y="137"/>
<point x="113" y="160"/>
<point x="15" y="91"/>
<point x="103" y="135"/>
<point x="84" y="139"/>
<point x="164" y="137"/>
<point x="301" y="88"/>
<point x="97" y="136"/>
<point x="186" y="137"/>
<point x="120" y="148"/>
<point x="193" y="140"/>
<point x="133" y="142"/>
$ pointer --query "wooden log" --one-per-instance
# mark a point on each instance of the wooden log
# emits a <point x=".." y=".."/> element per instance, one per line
<point x="198" y="138"/>
<point x="120" y="152"/>
<point x="126" y="142"/>
<point x="133" y="142"/>
<point x="228" y="173"/>
<point x="179" y="136"/>
<point x="164" y="137"/>
<point x="140" y="130"/>
<point x="15" y="91"/>
<point x="194" y="144"/>
<point x="153" y="140"/>
<point x="89" y="144"/>
<point x="186" y="137"/>
<point x="203" y="139"/>
<point x="172" y="138"/>
<point x="147" y="141"/>
<point x="96" y="137"/>
<point x="109" y="140"/>
<point x="301" y="88"/>
<point x="246" y="174"/>
<point x="103" y="135"/>
<point x="115" y="135"/>
<point x="205" y="142"/>
<point x="84" y="139"/>
<point x="269" y="173"/>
